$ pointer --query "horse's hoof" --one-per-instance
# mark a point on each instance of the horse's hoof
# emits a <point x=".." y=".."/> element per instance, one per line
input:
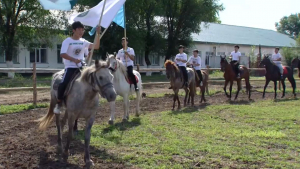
<point x="124" y="120"/>
<point x="282" y="96"/>
<point x="89" y="164"/>
<point x="59" y="150"/>
<point x="111" y="122"/>
<point x="66" y="156"/>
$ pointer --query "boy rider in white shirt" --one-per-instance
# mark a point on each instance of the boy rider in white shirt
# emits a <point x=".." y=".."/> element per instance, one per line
<point x="276" y="58"/>
<point x="236" y="57"/>
<point x="181" y="59"/>
<point x="128" y="56"/>
<point x="72" y="51"/>
<point x="196" y="62"/>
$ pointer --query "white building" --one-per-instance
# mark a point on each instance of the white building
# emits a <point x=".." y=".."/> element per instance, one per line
<point x="213" y="40"/>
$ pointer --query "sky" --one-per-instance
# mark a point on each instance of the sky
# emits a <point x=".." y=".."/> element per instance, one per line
<point x="257" y="13"/>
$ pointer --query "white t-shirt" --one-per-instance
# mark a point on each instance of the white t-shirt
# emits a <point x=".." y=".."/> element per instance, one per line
<point x="75" y="49"/>
<point x="275" y="57"/>
<point x="235" y="56"/>
<point x="195" y="60"/>
<point x="182" y="56"/>
<point x="121" y="55"/>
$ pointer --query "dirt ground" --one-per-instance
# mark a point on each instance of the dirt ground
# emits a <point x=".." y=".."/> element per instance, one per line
<point x="24" y="146"/>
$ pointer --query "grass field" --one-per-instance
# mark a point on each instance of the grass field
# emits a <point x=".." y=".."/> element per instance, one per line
<point x="259" y="135"/>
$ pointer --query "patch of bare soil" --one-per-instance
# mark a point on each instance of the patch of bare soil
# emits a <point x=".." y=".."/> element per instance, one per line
<point x="24" y="146"/>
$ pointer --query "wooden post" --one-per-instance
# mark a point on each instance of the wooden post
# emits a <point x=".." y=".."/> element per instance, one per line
<point x="138" y="67"/>
<point x="34" y="84"/>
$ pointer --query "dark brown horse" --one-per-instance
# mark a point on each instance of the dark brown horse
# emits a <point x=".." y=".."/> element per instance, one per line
<point x="230" y="76"/>
<point x="204" y="87"/>
<point x="273" y="74"/>
<point x="176" y="77"/>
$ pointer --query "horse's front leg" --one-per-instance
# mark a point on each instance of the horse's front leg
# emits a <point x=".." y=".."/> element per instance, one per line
<point x="202" y="90"/>
<point x="174" y="100"/>
<point x="75" y="128"/>
<point x="112" y="106"/>
<point x="71" y="121"/>
<point x="125" y="107"/>
<point x="87" y="137"/>
<point x="239" y="88"/>
<point x="59" y="134"/>
<point x="283" y="86"/>
<point x="225" y="85"/>
<point x="186" y="95"/>
<point x="138" y="100"/>
<point x="230" y="89"/>
<point x="266" y="84"/>
<point x="275" y="89"/>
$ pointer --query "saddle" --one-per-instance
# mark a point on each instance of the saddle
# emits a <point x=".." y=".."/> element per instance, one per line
<point x="58" y="79"/>
<point x="129" y="81"/>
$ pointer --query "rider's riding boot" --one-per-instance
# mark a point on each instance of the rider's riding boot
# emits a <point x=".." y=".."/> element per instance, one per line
<point x="57" y="108"/>
<point x="136" y="88"/>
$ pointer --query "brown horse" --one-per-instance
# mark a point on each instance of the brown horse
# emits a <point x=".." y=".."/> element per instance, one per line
<point x="296" y="64"/>
<point x="230" y="76"/>
<point x="202" y="88"/>
<point x="177" y="82"/>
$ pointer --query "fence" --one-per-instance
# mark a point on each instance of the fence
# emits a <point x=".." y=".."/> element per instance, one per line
<point x="35" y="70"/>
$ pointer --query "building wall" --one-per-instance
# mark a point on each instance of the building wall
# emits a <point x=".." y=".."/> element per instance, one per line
<point x="214" y="60"/>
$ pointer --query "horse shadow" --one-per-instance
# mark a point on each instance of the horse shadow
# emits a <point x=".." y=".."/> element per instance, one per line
<point x="285" y="99"/>
<point x="241" y="102"/>
<point x="76" y="147"/>
<point x="190" y="109"/>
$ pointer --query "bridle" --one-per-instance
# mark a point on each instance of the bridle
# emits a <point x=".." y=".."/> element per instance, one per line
<point x="95" y="81"/>
<point x="115" y="67"/>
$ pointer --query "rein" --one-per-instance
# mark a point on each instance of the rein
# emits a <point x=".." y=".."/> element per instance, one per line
<point x="95" y="81"/>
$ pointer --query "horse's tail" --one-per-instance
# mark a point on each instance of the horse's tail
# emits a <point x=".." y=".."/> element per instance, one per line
<point x="45" y="121"/>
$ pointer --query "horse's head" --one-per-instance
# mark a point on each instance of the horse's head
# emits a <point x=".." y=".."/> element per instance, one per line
<point x="296" y="63"/>
<point x="100" y="78"/>
<point x="223" y="63"/>
<point x="112" y="62"/>
<point x="265" y="61"/>
<point x="171" y="69"/>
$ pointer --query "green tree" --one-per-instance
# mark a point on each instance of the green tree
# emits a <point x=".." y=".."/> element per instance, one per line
<point x="289" y="25"/>
<point x="23" y="22"/>
<point x="183" y="17"/>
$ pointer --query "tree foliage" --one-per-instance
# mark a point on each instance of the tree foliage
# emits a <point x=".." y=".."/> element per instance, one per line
<point x="289" y="25"/>
<point x="183" y="17"/>
<point x="23" y="22"/>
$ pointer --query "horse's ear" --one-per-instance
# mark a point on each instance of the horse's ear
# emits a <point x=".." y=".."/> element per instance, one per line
<point x="97" y="63"/>
<point x="107" y="55"/>
<point x="115" y="55"/>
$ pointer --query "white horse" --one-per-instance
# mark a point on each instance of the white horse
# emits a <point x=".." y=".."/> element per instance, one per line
<point x="122" y="87"/>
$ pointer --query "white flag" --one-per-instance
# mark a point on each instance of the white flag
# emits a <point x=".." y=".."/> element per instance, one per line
<point x="92" y="16"/>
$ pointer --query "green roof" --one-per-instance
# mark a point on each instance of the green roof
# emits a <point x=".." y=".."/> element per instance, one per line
<point x="240" y="35"/>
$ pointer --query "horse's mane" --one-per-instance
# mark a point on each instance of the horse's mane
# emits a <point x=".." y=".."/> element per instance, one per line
<point x="123" y="69"/>
<point x="169" y="62"/>
<point x="173" y="64"/>
<point x="88" y="70"/>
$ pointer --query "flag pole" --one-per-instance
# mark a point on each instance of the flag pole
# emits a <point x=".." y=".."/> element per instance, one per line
<point x="99" y="24"/>
<point x="125" y="34"/>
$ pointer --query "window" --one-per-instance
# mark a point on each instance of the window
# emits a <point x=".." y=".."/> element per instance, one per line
<point x="154" y="59"/>
<point x="38" y="53"/>
<point x="15" y="57"/>
<point x="59" y="59"/>
<point x="208" y="54"/>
